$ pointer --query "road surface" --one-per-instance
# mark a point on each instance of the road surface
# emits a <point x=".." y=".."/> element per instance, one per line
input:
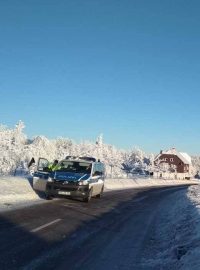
<point x="109" y="233"/>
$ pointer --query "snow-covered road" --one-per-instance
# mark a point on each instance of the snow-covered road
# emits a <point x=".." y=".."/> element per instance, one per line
<point x="112" y="233"/>
<point x="143" y="227"/>
<point x="161" y="230"/>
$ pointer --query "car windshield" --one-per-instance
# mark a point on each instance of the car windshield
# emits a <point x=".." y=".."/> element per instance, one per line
<point x="74" y="166"/>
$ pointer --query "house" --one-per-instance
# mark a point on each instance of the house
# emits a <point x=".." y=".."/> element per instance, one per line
<point x="173" y="164"/>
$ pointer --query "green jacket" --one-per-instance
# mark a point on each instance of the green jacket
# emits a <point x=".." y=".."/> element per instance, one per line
<point x="52" y="166"/>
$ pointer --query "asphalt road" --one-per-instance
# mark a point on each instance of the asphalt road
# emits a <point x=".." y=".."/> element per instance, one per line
<point x="107" y="233"/>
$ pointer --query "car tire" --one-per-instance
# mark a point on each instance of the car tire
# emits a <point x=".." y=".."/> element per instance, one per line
<point x="88" y="198"/>
<point x="100" y="194"/>
<point x="48" y="197"/>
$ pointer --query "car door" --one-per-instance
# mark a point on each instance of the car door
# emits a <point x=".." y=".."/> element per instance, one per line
<point x="41" y="175"/>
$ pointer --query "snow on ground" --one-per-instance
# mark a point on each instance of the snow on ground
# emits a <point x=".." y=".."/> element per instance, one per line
<point x="18" y="191"/>
<point x="170" y="235"/>
<point x="174" y="237"/>
<point x="189" y="236"/>
<point x="122" y="183"/>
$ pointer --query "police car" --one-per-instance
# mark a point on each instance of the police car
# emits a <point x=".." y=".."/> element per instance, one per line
<point x="77" y="177"/>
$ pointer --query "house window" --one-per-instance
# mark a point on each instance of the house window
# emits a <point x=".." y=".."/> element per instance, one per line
<point x="171" y="159"/>
<point x="164" y="159"/>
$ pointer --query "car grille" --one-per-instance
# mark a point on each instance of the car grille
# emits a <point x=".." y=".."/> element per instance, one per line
<point x="66" y="182"/>
<point x="65" y="188"/>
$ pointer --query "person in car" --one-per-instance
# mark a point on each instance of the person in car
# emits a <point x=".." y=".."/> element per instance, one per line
<point x="52" y="166"/>
<point x="88" y="169"/>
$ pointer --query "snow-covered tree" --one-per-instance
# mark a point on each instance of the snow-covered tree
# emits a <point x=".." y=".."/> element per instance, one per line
<point x="17" y="151"/>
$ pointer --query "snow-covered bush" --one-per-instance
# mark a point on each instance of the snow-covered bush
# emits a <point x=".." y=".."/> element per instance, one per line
<point x="196" y="165"/>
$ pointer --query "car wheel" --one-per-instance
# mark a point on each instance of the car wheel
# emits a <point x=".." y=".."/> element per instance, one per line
<point x="48" y="197"/>
<point x="100" y="194"/>
<point x="88" y="198"/>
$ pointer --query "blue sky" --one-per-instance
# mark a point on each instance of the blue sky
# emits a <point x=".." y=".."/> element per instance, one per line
<point x="128" y="69"/>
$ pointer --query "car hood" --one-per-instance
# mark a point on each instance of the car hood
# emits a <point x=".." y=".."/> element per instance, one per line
<point x="72" y="177"/>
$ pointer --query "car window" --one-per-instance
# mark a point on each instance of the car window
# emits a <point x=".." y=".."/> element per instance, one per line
<point x="97" y="169"/>
<point x="75" y="167"/>
<point x="42" y="164"/>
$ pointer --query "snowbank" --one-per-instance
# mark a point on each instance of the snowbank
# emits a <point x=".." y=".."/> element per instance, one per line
<point x="144" y="182"/>
<point x="175" y="235"/>
<point x="18" y="191"/>
<point x="190" y="238"/>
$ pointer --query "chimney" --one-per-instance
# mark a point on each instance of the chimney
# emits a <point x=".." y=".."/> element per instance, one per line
<point x="161" y="152"/>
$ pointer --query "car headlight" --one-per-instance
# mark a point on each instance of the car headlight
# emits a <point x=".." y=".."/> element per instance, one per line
<point x="50" y="179"/>
<point x="83" y="183"/>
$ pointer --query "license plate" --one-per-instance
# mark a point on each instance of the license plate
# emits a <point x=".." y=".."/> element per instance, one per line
<point x="64" y="193"/>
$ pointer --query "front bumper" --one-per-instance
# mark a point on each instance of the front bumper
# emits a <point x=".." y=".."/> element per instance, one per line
<point x="68" y="190"/>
